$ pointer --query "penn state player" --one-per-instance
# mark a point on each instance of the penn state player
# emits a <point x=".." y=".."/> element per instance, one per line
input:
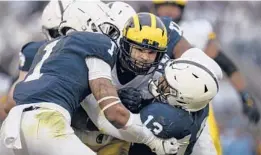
<point x="63" y="73"/>
<point x="205" y="39"/>
<point x="51" y="19"/>
<point x="187" y="83"/>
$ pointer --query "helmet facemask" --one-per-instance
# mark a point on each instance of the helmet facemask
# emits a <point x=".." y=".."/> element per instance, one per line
<point x="163" y="92"/>
<point x="134" y="65"/>
<point x="110" y="30"/>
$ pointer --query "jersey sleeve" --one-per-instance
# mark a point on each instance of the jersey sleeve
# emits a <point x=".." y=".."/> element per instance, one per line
<point x="28" y="53"/>
<point x="174" y="34"/>
<point x="87" y="44"/>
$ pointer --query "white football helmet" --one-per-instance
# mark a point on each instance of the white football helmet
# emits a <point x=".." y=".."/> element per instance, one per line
<point x="92" y="16"/>
<point x="187" y="83"/>
<point x="122" y="12"/>
<point x="52" y="17"/>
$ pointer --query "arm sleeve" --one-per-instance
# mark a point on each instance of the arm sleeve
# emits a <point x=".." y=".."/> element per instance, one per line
<point x="98" y="68"/>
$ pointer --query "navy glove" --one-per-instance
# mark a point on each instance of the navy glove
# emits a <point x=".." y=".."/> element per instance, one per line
<point x="131" y="98"/>
<point x="249" y="107"/>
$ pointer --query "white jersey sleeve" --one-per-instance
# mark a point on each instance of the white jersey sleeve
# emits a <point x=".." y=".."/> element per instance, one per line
<point x="204" y="144"/>
<point x="98" y="68"/>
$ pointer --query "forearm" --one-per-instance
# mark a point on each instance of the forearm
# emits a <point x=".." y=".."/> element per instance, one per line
<point x="231" y="70"/>
<point x="94" y="112"/>
<point x="238" y="81"/>
<point x="116" y="114"/>
<point x="182" y="46"/>
<point x="10" y="100"/>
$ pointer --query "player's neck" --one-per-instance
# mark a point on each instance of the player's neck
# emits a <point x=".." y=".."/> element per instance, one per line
<point x="124" y="75"/>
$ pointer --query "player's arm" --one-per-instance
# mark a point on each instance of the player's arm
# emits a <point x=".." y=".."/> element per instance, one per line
<point x="5" y="85"/>
<point x="235" y="77"/>
<point x="8" y="75"/>
<point x="109" y="103"/>
<point x="181" y="47"/>
<point x="24" y="66"/>
<point x="10" y="100"/>
<point x="26" y="57"/>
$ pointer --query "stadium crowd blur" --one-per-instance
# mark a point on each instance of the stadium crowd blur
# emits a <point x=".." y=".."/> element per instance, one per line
<point x="237" y="25"/>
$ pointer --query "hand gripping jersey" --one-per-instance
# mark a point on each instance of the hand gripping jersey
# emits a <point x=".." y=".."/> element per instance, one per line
<point x="59" y="73"/>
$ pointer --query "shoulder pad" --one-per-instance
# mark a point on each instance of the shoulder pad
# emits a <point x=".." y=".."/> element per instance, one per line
<point x="174" y="34"/>
<point x="91" y="44"/>
<point x="28" y="53"/>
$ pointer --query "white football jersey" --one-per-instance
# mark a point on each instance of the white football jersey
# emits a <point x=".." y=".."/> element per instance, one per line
<point x="140" y="82"/>
<point x="197" y="32"/>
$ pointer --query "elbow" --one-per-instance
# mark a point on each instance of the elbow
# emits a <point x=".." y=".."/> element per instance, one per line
<point x="117" y="115"/>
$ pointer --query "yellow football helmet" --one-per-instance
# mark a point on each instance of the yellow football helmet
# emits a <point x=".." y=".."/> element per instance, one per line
<point x="177" y="2"/>
<point x="181" y="4"/>
<point x="147" y="31"/>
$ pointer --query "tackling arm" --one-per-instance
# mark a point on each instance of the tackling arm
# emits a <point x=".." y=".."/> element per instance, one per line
<point x="106" y="95"/>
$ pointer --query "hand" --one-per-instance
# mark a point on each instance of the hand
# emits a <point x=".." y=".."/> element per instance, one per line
<point x="249" y="107"/>
<point x="131" y="98"/>
<point x="163" y="147"/>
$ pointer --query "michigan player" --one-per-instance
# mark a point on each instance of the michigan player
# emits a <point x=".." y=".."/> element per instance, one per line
<point x="64" y="71"/>
<point x="204" y="38"/>
<point x="51" y="19"/>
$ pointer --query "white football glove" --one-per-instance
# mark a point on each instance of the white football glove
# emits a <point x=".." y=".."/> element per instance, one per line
<point x="163" y="147"/>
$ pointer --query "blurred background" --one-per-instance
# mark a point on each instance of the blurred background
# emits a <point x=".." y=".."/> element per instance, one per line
<point x="238" y="29"/>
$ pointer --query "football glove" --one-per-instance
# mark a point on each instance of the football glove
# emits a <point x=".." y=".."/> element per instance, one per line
<point x="249" y="107"/>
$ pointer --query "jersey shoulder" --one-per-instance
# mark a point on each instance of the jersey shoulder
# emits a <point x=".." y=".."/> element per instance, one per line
<point x="28" y="53"/>
<point x="91" y="44"/>
<point x="174" y="33"/>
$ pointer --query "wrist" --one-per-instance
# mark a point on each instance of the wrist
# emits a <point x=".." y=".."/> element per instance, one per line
<point x="141" y="133"/>
<point x="246" y="98"/>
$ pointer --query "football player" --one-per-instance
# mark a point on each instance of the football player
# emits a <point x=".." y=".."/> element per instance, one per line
<point x="177" y="43"/>
<point x="184" y="85"/>
<point x="51" y="19"/>
<point x="63" y="73"/>
<point x="205" y="39"/>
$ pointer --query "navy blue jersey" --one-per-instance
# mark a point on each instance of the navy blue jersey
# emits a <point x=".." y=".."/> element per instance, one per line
<point x="166" y="121"/>
<point x="174" y="34"/>
<point x="59" y="73"/>
<point x="28" y="51"/>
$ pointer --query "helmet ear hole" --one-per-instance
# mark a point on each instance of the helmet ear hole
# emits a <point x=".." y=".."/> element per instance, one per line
<point x="194" y="75"/>
<point x="206" y="89"/>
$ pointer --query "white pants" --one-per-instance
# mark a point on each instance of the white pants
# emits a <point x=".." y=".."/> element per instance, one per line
<point x="46" y="131"/>
<point x="204" y="144"/>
